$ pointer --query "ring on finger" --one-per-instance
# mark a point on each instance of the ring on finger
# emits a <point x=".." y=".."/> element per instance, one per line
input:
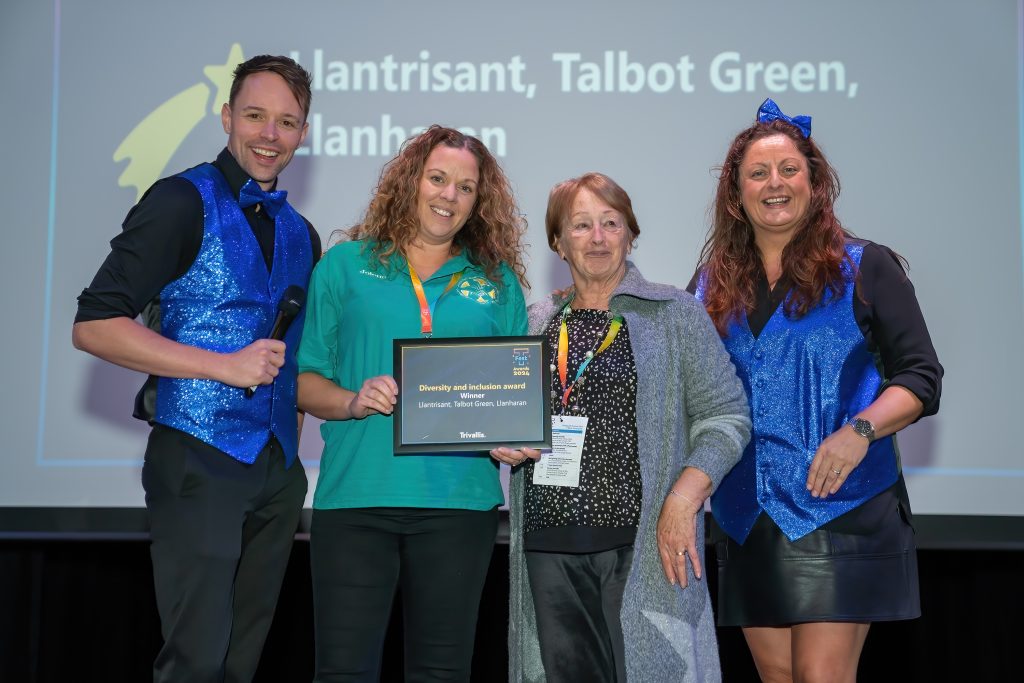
<point x="680" y="553"/>
<point x="837" y="472"/>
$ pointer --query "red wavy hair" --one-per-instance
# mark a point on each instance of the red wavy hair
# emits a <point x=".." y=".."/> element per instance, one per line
<point x="811" y="262"/>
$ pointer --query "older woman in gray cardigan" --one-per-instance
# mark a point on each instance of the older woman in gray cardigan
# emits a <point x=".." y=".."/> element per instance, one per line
<point x="607" y="533"/>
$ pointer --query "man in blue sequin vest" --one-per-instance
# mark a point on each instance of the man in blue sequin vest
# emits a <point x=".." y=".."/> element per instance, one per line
<point x="207" y="255"/>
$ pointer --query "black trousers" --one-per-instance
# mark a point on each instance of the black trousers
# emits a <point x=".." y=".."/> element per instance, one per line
<point x="439" y="560"/>
<point x="222" y="533"/>
<point x="578" y="600"/>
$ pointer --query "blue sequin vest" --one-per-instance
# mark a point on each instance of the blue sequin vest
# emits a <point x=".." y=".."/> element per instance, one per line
<point x="806" y="378"/>
<point x="224" y="302"/>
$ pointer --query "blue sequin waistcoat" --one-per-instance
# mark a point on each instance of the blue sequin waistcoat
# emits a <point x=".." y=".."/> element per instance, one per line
<point x="806" y="378"/>
<point x="224" y="302"/>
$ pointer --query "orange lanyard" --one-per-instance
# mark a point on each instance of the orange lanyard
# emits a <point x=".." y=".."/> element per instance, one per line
<point x="427" y="309"/>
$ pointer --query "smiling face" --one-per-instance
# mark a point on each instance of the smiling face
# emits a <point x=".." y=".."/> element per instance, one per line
<point x="265" y="125"/>
<point x="595" y="241"/>
<point x="775" y="186"/>
<point x="447" y="193"/>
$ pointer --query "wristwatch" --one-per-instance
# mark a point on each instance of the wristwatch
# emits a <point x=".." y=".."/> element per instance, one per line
<point x="863" y="427"/>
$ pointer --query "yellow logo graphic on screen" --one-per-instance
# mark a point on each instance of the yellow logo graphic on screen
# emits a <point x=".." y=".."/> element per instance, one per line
<point x="152" y="143"/>
<point x="479" y="289"/>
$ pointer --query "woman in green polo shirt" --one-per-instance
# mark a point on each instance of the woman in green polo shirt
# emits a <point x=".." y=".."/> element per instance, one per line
<point x="438" y="253"/>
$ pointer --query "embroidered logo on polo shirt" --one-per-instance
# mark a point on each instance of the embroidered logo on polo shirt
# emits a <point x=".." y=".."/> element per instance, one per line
<point x="478" y="289"/>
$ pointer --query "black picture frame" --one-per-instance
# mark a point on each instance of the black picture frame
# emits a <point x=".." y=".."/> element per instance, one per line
<point x="458" y="394"/>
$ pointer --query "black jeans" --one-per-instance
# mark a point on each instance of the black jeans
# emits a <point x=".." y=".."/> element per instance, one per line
<point x="222" y="533"/>
<point x="360" y="556"/>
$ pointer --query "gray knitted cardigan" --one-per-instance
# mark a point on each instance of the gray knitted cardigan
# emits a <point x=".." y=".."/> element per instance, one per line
<point x="691" y="412"/>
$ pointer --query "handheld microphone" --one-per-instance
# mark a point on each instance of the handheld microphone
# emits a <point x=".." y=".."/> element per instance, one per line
<point x="288" y="308"/>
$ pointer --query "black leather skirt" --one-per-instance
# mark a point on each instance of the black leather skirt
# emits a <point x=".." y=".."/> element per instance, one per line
<point x="860" y="567"/>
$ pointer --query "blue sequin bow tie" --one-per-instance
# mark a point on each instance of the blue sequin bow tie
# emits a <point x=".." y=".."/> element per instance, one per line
<point x="769" y="111"/>
<point x="253" y="194"/>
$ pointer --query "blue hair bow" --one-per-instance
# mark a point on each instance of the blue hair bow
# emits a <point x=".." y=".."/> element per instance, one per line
<point x="769" y="111"/>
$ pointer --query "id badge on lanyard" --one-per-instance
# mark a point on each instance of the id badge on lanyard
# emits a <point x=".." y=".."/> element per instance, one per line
<point x="561" y="465"/>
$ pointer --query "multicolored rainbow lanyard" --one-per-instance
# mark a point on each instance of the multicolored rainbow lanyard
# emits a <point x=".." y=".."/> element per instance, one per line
<point x="427" y="309"/>
<point x="563" y="352"/>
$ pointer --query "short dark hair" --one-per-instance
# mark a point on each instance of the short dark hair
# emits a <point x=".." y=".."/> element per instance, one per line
<point x="298" y="79"/>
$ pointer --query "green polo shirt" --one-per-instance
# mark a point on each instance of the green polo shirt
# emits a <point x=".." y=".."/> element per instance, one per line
<point x="354" y="310"/>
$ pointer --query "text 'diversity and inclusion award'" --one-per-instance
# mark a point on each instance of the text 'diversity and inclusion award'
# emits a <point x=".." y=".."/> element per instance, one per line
<point x="471" y="394"/>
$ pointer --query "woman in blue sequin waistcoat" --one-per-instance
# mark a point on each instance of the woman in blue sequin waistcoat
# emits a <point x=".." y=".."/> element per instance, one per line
<point x="828" y="338"/>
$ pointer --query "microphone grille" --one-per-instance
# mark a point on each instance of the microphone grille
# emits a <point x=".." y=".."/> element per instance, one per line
<point x="292" y="301"/>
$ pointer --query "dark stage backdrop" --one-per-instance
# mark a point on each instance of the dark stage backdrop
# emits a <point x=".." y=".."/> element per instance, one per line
<point x="917" y="103"/>
<point x="85" y="612"/>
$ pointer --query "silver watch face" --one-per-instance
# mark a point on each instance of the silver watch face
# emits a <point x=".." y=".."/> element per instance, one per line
<point x="864" y="428"/>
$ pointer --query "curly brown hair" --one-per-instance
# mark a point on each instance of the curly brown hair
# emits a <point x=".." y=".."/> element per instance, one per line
<point x="813" y="259"/>
<point x="493" y="233"/>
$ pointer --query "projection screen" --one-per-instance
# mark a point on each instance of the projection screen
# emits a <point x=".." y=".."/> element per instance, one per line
<point x="917" y="104"/>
